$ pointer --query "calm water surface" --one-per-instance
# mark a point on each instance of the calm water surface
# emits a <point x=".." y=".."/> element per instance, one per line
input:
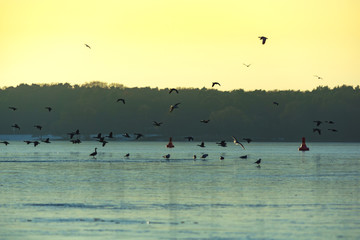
<point x="56" y="191"/>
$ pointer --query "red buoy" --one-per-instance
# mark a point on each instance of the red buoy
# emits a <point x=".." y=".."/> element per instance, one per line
<point x="170" y="144"/>
<point x="303" y="146"/>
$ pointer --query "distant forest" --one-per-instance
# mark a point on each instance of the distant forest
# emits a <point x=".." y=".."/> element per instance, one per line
<point x="260" y="115"/>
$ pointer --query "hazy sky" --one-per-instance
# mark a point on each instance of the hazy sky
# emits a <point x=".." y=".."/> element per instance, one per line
<point x="181" y="43"/>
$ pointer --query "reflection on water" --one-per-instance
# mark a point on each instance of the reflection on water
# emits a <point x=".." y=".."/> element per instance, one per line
<point x="58" y="192"/>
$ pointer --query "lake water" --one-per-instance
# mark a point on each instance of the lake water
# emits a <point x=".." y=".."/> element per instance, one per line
<point x="56" y="191"/>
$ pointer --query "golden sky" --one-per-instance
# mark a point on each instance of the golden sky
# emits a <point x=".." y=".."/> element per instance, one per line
<point x="181" y="43"/>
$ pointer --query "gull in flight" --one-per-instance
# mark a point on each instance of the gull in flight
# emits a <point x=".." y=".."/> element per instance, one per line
<point x="87" y="46"/>
<point x="237" y="142"/>
<point x="318" y="77"/>
<point x="172" y="107"/>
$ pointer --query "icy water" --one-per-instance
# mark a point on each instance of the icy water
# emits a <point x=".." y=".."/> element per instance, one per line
<point x="56" y="191"/>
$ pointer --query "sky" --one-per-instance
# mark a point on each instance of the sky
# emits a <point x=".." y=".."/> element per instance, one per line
<point x="181" y="43"/>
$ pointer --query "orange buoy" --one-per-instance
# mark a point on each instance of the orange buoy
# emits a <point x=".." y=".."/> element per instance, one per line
<point x="303" y="146"/>
<point x="170" y="144"/>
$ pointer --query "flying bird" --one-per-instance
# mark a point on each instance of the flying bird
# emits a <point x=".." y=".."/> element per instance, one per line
<point x="157" y="124"/>
<point x="5" y="142"/>
<point x="221" y="143"/>
<point x="222" y="158"/>
<point x="38" y="127"/>
<point x="87" y="46"/>
<point x="246" y="65"/>
<point x="13" y="108"/>
<point x="317" y="122"/>
<point x="263" y="39"/>
<point x="205" y="121"/>
<point x="215" y="83"/>
<point x="317" y="130"/>
<point x="110" y="135"/>
<point x="138" y="135"/>
<point x="46" y="140"/>
<point x="127" y="155"/>
<point x="173" y="90"/>
<point x="121" y="99"/>
<point x="93" y="154"/>
<point x="202" y="144"/>
<point x="204" y="156"/>
<point x="332" y="129"/>
<point x="16" y="126"/>
<point x="126" y="135"/>
<point x="72" y="134"/>
<point x="276" y="103"/>
<point x="330" y="122"/>
<point x="318" y="77"/>
<point x="190" y="138"/>
<point x="237" y="142"/>
<point x="98" y="136"/>
<point x="172" y="107"/>
<point x="36" y="143"/>
<point x="194" y="157"/>
<point x="48" y="108"/>
<point x="244" y="156"/>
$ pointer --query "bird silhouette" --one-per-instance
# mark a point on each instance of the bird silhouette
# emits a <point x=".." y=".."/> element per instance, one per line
<point x="222" y="143"/>
<point x="330" y="122"/>
<point x="205" y="121"/>
<point x="263" y="38"/>
<point x="36" y="143"/>
<point x="237" y="142"/>
<point x="157" y="124"/>
<point x="48" y="108"/>
<point x="246" y="65"/>
<point x="38" y="127"/>
<point x="317" y="122"/>
<point x="5" y="142"/>
<point x="46" y="140"/>
<point x="16" y="126"/>
<point x="189" y="138"/>
<point x="173" y="90"/>
<point x="110" y="135"/>
<point x="201" y="145"/>
<point x="222" y="158"/>
<point x="215" y="83"/>
<point x="127" y="155"/>
<point x="204" y="156"/>
<point x="13" y="108"/>
<point x="98" y="136"/>
<point x="258" y="161"/>
<point x="276" y="103"/>
<point x="93" y="154"/>
<point x="194" y="157"/>
<point x="332" y="129"/>
<point x="27" y="142"/>
<point x="72" y="134"/>
<point x="244" y="156"/>
<point x="318" y="77"/>
<point x="138" y="135"/>
<point x="126" y="135"/>
<point x="317" y="130"/>
<point x="121" y="100"/>
<point x="86" y="45"/>
<point x="172" y="107"/>
<point x="248" y="140"/>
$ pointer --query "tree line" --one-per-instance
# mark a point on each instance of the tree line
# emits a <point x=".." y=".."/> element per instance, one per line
<point x="260" y="115"/>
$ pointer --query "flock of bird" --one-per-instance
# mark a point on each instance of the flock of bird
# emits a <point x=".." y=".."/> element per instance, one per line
<point x="104" y="139"/>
